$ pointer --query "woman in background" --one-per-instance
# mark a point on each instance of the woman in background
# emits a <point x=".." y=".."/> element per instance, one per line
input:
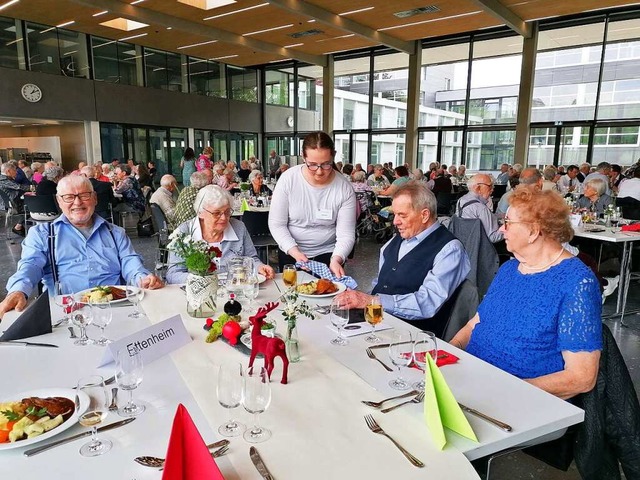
<point x="188" y="165"/>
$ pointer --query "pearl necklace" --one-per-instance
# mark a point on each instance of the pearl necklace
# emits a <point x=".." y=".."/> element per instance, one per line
<point x="544" y="267"/>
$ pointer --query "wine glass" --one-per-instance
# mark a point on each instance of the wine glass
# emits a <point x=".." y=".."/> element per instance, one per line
<point x="289" y="276"/>
<point x="400" y="353"/>
<point x="133" y="295"/>
<point x="256" y="397"/>
<point x="82" y="316"/>
<point x="252" y="290"/>
<point x="95" y="413"/>
<point x="129" y="375"/>
<point x="229" y="391"/>
<point x="615" y="222"/>
<point x="339" y="315"/>
<point x="425" y="344"/>
<point x="102" y="316"/>
<point x="63" y="298"/>
<point x="373" y="316"/>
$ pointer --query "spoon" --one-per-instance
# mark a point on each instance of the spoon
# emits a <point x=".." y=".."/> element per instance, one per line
<point x="156" y="462"/>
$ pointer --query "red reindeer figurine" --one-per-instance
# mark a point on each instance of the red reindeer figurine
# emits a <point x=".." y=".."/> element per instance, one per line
<point x="268" y="347"/>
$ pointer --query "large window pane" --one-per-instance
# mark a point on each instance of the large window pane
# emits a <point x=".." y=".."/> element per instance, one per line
<point x="73" y="54"/>
<point x="9" y="42"/>
<point x="573" y="145"/>
<point x="566" y="79"/>
<point x="207" y="78"/>
<point x="361" y="150"/>
<point x="42" y="42"/>
<point x="128" y="60"/>
<point x="616" y="145"/>
<point x="427" y="149"/>
<point x="342" y="147"/>
<point x="105" y="60"/>
<point x="244" y="83"/>
<point x="277" y="87"/>
<point x="486" y="150"/>
<point x="174" y="72"/>
<point x="390" y="84"/>
<point x="155" y="64"/>
<point x="351" y="94"/>
<point x="451" y="148"/>
<point x="387" y="148"/>
<point x="112" y="142"/>
<point x="541" y="147"/>
<point x="310" y="98"/>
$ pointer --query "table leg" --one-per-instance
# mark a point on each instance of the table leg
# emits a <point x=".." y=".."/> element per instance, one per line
<point x="623" y="287"/>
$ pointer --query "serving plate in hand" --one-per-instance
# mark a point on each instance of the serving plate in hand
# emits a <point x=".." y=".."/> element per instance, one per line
<point x="45" y="393"/>
<point x="341" y="288"/>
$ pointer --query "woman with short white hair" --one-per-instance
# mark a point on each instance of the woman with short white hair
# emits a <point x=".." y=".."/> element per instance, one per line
<point x="258" y="188"/>
<point x="214" y="225"/>
<point x="595" y="198"/>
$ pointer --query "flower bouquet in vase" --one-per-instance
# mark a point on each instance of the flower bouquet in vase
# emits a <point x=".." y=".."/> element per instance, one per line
<point x="200" y="259"/>
<point x="293" y="308"/>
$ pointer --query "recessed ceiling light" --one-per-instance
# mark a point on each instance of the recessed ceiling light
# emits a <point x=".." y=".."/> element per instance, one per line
<point x="100" y="13"/>
<point x="207" y="4"/>
<point x="5" y="121"/>
<point x="267" y="30"/>
<point x="222" y="58"/>
<point x="136" y="2"/>
<point x="236" y="11"/>
<point x="132" y="37"/>
<point x="365" y="9"/>
<point x="294" y="45"/>
<point x="124" y="24"/>
<point x="14" y="126"/>
<point x="311" y="21"/>
<point x="169" y="28"/>
<point x="66" y="24"/>
<point x="8" y="4"/>
<point x="197" y="44"/>
<point x="336" y="38"/>
<point x="429" y="21"/>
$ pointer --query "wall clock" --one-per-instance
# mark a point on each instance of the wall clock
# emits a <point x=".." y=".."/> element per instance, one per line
<point x="31" y="92"/>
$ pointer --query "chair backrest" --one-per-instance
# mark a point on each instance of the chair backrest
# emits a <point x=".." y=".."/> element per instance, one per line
<point x="41" y="204"/>
<point x="160" y="224"/>
<point x="257" y="223"/>
<point x="498" y="191"/>
<point x="5" y="203"/>
<point x="464" y="308"/>
<point x="630" y="207"/>
<point x="445" y="202"/>
<point x="104" y="200"/>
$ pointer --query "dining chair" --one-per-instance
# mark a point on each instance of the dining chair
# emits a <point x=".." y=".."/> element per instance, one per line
<point x="257" y="224"/>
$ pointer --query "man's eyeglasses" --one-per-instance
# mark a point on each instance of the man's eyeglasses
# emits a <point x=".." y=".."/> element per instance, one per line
<point x="486" y="185"/>
<point x="324" y="166"/>
<point x="217" y="214"/>
<point x="71" y="197"/>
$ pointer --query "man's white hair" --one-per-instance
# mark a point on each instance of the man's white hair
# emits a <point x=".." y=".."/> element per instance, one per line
<point x="74" y="181"/>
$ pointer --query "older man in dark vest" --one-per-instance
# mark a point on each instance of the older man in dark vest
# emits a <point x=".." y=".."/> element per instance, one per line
<point x="420" y="268"/>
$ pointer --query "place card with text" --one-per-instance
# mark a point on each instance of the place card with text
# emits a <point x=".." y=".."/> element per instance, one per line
<point x="152" y="342"/>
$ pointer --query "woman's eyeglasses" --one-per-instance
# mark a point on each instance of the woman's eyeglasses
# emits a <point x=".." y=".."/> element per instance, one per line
<point x="507" y="221"/>
<point x="324" y="166"/>
<point x="218" y="214"/>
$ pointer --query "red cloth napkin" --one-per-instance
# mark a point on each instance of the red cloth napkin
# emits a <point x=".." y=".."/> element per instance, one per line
<point x="187" y="456"/>
<point x="631" y="228"/>
<point x="72" y="308"/>
<point x="444" y="358"/>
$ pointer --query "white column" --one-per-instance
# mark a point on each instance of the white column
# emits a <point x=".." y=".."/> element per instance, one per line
<point x="92" y="142"/>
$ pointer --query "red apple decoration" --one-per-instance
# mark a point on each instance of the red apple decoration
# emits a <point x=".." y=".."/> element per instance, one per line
<point x="231" y="331"/>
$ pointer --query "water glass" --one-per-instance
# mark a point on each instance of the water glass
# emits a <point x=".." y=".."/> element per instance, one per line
<point x="256" y="397"/>
<point x="373" y="315"/>
<point x="251" y="291"/>
<point x="129" y="369"/>
<point x="400" y="354"/>
<point x="425" y="344"/>
<point x="229" y="391"/>
<point x="95" y="413"/>
<point x="82" y="316"/>
<point x="102" y="316"/>
<point x="134" y="292"/>
<point x="339" y="315"/>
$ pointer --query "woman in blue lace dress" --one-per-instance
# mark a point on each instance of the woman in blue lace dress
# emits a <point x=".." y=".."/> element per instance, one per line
<point x="540" y="319"/>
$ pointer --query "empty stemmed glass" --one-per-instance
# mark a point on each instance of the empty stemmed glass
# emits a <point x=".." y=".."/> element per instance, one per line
<point x="339" y="315"/>
<point x="82" y="316"/>
<point x="102" y="316"/>
<point x="256" y="397"/>
<point x="425" y="344"/>
<point x="134" y="292"/>
<point x="64" y="299"/>
<point x="95" y="413"/>
<point x="229" y="391"/>
<point x="400" y="353"/>
<point x="129" y="375"/>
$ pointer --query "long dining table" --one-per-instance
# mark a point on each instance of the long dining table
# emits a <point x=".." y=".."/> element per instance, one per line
<point x="317" y="419"/>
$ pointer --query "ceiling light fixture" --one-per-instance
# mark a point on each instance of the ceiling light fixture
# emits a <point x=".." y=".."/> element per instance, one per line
<point x="169" y="28"/>
<point x="293" y="45"/>
<point x="226" y="56"/>
<point x="430" y="21"/>
<point x="124" y="24"/>
<point x="5" y="121"/>
<point x="197" y="44"/>
<point x="281" y="27"/>
<point x="133" y="36"/>
<point x="15" y="126"/>
<point x="207" y="4"/>
<point x="8" y="4"/>
<point x="311" y="21"/>
<point x="137" y="2"/>
<point x="66" y="24"/>
<point x="336" y="38"/>
<point x="365" y="9"/>
<point x="100" y="13"/>
<point x="236" y="11"/>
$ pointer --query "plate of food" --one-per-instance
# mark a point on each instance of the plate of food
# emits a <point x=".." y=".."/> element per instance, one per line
<point x="321" y="288"/>
<point x="106" y="294"/>
<point x="36" y="415"/>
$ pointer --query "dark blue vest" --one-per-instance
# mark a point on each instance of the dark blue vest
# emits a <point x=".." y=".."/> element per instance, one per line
<point x="407" y="275"/>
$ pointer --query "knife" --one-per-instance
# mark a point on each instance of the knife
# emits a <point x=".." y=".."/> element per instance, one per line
<point x="35" y="451"/>
<point x="257" y="461"/>
<point x="27" y="344"/>
<point x="504" y="426"/>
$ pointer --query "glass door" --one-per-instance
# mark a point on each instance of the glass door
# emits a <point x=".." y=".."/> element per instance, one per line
<point x="159" y="149"/>
<point x="177" y="144"/>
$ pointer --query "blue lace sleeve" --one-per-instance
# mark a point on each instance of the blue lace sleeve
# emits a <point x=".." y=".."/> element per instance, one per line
<point x="579" y="322"/>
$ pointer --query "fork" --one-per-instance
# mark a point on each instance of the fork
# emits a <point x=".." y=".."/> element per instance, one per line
<point x="372" y="356"/>
<point x="379" y="404"/>
<point x="375" y="428"/>
<point x="156" y="462"/>
<point x="418" y="399"/>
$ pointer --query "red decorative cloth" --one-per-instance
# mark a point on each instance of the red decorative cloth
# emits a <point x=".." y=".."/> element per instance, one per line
<point x="187" y="456"/>
<point x="443" y="358"/>
<point x="631" y="228"/>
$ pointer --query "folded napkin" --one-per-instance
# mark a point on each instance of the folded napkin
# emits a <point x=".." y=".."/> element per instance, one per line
<point x="34" y="321"/>
<point x="187" y="456"/>
<point x="635" y="227"/>
<point x="244" y="206"/>
<point x="322" y="271"/>
<point x="443" y="358"/>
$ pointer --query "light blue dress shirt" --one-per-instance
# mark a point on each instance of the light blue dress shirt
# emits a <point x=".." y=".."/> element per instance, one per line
<point x="450" y="268"/>
<point x="82" y="263"/>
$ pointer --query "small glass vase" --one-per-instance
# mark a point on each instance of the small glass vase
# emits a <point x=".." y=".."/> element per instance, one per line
<point x="201" y="295"/>
<point x="291" y="342"/>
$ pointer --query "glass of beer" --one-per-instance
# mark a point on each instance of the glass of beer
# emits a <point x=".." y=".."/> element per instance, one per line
<point x="373" y="316"/>
<point x="290" y="276"/>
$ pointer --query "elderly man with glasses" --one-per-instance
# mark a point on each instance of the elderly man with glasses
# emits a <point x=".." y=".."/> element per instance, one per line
<point x="478" y="204"/>
<point x="87" y="251"/>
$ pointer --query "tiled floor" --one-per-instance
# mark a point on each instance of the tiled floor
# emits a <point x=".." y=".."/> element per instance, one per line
<point x="363" y="268"/>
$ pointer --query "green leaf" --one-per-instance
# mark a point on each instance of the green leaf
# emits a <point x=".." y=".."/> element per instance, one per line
<point x="10" y="415"/>
<point x="38" y="413"/>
